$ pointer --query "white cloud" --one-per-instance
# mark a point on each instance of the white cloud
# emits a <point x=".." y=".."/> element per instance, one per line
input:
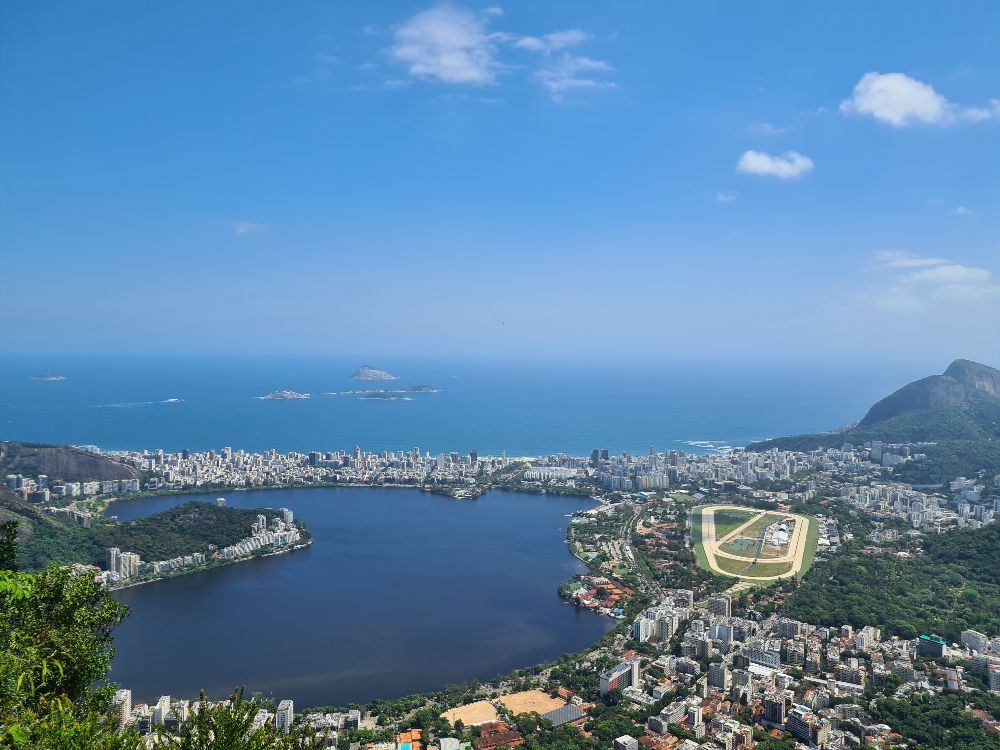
<point x="949" y="273"/>
<point x="450" y="44"/>
<point x="553" y="42"/>
<point x="726" y="197"/>
<point x="454" y="44"/>
<point x="787" y="166"/>
<point x="899" y="259"/>
<point x="573" y="72"/>
<point x="767" y="128"/>
<point x="899" y="100"/>
<point x="248" y="227"/>
<point x="963" y="211"/>
<point x="927" y="281"/>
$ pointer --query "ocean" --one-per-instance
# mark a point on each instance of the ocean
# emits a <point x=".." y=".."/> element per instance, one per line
<point x="199" y="403"/>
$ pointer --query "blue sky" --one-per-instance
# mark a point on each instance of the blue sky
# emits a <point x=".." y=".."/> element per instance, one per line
<point x="817" y="181"/>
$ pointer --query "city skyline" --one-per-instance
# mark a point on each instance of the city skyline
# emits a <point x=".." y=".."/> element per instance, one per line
<point x="506" y="179"/>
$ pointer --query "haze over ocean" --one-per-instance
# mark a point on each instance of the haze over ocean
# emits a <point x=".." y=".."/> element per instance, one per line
<point x="522" y="408"/>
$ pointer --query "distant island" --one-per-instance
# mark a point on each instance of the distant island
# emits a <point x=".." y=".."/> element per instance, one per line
<point x="48" y="378"/>
<point x="284" y="396"/>
<point x="367" y="372"/>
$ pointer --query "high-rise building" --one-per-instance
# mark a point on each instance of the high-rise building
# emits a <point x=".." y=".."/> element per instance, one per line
<point x="720" y="605"/>
<point x="621" y="676"/>
<point x="161" y="709"/>
<point x="774" y="706"/>
<point x="719" y="676"/>
<point x="284" y="716"/>
<point x="113" y="553"/>
<point x="123" y="703"/>
<point x="286" y="515"/>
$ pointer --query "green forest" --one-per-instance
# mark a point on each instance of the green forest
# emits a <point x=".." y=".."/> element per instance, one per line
<point x="941" y="721"/>
<point x="952" y="586"/>
<point x="188" y="528"/>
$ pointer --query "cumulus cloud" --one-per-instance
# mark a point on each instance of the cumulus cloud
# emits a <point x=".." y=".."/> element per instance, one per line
<point x="453" y="44"/>
<point x="900" y="101"/>
<point x="572" y="72"/>
<point x="248" y="227"/>
<point x="787" y="166"/>
<point x="963" y="211"/>
<point x="448" y="43"/>
<point x="921" y="281"/>
<point x="726" y="197"/>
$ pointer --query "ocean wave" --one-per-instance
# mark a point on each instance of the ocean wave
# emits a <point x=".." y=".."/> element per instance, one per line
<point x="133" y="404"/>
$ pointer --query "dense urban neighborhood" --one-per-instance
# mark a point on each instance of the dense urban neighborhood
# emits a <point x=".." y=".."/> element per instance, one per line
<point x="700" y="658"/>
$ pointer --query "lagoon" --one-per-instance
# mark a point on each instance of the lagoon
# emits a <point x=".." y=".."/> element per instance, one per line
<point x="402" y="592"/>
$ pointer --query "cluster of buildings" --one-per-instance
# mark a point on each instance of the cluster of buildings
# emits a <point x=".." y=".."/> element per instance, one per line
<point x="964" y="506"/>
<point x="169" y="715"/>
<point x="282" y="532"/>
<point x="229" y="468"/>
<point x="39" y="490"/>
<point x="279" y="533"/>
<point x="123" y="566"/>
<point x="789" y="676"/>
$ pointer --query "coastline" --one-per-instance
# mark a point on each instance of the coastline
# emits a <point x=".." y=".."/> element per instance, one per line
<point x="220" y="563"/>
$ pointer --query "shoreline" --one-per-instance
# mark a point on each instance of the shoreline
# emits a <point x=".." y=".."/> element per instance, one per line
<point x="221" y="564"/>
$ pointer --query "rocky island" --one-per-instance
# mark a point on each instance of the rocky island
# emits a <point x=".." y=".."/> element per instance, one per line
<point x="367" y="372"/>
<point x="284" y="396"/>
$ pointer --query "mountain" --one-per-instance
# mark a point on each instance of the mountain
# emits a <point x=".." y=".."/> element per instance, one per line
<point x="961" y="383"/>
<point x="60" y="463"/>
<point x="958" y="411"/>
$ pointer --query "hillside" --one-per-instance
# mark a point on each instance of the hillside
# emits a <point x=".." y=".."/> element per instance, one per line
<point x="959" y="411"/>
<point x="188" y="528"/>
<point x="953" y="585"/>
<point x="963" y="382"/>
<point x="59" y="463"/>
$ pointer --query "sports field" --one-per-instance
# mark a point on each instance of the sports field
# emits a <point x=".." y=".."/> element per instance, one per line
<point x="751" y="544"/>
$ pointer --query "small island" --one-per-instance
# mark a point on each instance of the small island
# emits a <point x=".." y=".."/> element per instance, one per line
<point x="48" y="378"/>
<point x="367" y="372"/>
<point x="284" y="396"/>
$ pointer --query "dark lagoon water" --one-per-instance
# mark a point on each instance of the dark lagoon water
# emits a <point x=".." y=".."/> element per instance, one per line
<point x="401" y="592"/>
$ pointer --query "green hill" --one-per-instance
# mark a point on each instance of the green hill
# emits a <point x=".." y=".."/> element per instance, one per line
<point x="60" y="463"/>
<point x="953" y="585"/>
<point x="959" y="411"/>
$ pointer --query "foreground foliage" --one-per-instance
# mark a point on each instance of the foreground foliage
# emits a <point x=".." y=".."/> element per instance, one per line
<point x="56" y="642"/>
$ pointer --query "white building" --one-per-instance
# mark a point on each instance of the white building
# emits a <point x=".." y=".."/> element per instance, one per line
<point x="284" y="716"/>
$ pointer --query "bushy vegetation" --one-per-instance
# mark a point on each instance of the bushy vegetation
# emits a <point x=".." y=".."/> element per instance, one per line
<point x="56" y="642"/>
<point x="952" y="586"/>
<point x="188" y="528"/>
<point x="940" y="721"/>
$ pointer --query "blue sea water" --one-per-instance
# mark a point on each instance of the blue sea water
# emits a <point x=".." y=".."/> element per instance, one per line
<point x="519" y="407"/>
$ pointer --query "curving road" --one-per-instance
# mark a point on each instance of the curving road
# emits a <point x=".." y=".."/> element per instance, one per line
<point x="796" y="547"/>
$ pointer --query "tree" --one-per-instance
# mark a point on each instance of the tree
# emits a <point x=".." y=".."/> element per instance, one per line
<point x="8" y="545"/>
<point x="231" y="726"/>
